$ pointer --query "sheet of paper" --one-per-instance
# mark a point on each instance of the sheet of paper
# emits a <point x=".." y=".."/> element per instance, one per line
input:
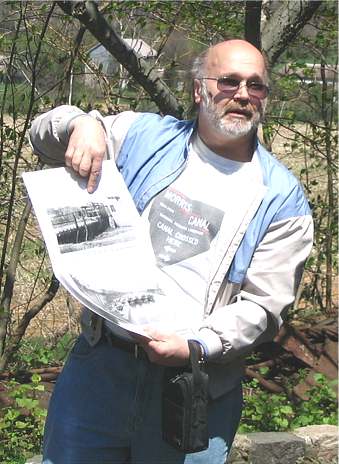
<point x="98" y="246"/>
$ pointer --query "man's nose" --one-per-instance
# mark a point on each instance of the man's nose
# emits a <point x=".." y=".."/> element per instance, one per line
<point x="242" y="92"/>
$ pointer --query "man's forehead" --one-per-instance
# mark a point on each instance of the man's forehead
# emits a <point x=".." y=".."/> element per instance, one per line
<point x="229" y="58"/>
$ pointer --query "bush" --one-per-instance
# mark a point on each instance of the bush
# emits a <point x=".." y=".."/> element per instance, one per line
<point x="21" y="422"/>
<point x="35" y="352"/>
<point x="321" y="406"/>
<point x="267" y="412"/>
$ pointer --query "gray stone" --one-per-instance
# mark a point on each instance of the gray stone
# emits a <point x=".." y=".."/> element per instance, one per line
<point x="321" y="442"/>
<point x="275" y="448"/>
<point x="267" y="448"/>
<point x="240" y="449"/>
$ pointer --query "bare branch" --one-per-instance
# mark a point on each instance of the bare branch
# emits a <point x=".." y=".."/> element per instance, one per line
<point x="19" y="148"/>
<point x="87" y="13"/>
<point x="6" y="296"/>
<point x="17" y="335"/>
<point x="10" y="276"/>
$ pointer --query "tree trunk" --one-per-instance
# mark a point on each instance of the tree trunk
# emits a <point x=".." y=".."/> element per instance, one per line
<point x="286" y="21"/>
<point x="252" y="22"/>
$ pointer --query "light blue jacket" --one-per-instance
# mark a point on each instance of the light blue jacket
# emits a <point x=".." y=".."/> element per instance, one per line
<point x="260" y="252"/>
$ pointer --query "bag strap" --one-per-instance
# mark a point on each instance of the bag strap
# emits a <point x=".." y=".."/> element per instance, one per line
<point x="195" y="359"/>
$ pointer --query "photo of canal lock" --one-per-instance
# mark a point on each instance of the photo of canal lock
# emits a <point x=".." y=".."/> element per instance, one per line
<point x="79" y="228"/>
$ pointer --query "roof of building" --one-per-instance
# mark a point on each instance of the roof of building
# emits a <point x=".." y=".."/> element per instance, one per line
<point x="140" y="47"/>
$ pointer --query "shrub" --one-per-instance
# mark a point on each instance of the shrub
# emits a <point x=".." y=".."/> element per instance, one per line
<point x="264" y="412"/>
<point x="21" y="422"/>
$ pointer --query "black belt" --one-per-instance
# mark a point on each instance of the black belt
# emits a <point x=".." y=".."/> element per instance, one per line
<point x="133" y="348"/>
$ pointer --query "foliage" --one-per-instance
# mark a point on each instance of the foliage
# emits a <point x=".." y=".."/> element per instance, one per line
<point x="267" y="412"/>
<point x="35" y="352"/>
<point x="21" y="423"/>
<point x="321" y="406"/>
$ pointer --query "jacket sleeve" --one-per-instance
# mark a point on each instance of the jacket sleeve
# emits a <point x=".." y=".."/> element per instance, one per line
<point x="49" y="133"/>
<point x="49" y="136"/>
<point x="267" y="292"/>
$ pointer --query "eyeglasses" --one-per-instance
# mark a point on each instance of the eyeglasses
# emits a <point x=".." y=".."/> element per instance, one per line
<point x="230" y="86"/>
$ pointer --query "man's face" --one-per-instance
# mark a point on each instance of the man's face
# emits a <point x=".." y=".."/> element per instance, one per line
<point x="233" y="120"/>
<point x="232" y="115"/>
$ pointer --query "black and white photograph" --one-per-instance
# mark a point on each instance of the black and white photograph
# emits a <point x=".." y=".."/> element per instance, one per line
<point x="90" y="225"/>
<point x="97" y="244"/>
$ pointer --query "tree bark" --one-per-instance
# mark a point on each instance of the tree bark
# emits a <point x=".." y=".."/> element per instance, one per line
<point x="252" y="22"/>
<point x="286" y="21"/>
<point x="87" y="13"/>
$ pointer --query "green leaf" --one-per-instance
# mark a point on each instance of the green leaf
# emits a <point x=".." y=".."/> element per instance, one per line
<point x="263" y="370"/>
<point x="27" y="403"/>
<point x="20" y="425"/>
<point x="36" y="378"/>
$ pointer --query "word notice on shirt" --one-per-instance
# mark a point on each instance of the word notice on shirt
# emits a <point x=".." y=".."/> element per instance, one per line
<point x="181" y="227"/>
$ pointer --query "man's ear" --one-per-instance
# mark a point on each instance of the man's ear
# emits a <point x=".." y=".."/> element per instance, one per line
<point x="197" y="91"/>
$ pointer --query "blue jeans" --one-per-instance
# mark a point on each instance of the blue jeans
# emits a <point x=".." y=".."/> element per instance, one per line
<point x="105" y="409"/>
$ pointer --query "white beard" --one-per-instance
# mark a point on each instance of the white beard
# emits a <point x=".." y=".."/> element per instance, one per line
<point x="234" y="129"/>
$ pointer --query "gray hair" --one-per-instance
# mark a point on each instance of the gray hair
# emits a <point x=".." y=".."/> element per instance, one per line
<point x="198" y="66"/>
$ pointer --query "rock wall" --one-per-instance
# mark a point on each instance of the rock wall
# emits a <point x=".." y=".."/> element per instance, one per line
<point x="316" y="444"/>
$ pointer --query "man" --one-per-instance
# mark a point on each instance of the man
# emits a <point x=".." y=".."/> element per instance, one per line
<point x="233" y="256"/>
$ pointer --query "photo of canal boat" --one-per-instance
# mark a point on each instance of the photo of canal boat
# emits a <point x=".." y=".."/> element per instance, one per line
<point x="78" y="228"/>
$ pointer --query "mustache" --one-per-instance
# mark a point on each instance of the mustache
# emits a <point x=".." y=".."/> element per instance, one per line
<point x="246" y="110"/>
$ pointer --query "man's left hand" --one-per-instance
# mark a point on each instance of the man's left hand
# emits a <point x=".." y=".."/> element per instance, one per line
<point x="166" y="349"/>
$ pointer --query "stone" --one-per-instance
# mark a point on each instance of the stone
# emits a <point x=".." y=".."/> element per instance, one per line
<point x="267" y="448"/>
<point x="275" y="448"/>
<point x="321" y="442"/>
<point x="240" y="449"/>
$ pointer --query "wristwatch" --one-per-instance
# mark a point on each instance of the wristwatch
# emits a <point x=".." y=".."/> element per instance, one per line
<point x="202" y="359"/>
<point x="202" y="354"/>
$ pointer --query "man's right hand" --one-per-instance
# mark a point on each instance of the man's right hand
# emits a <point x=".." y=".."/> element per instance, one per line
<point x="86" y="149"/>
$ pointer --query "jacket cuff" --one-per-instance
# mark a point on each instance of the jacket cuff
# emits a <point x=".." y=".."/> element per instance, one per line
<point x="61" y="118"/>
<point x="64" y="124"/>
<point x="210" y="342"/>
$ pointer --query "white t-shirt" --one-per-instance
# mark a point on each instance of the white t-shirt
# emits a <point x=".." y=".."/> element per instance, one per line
<point x="184" y="222"/>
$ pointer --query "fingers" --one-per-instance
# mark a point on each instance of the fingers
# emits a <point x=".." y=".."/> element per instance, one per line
<point x="94" y="174"/>
<point x="86" y="150"/>
<point x="79" y="161"/>
<point x="69" y="155"/>
<point x="166" y="349"/>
